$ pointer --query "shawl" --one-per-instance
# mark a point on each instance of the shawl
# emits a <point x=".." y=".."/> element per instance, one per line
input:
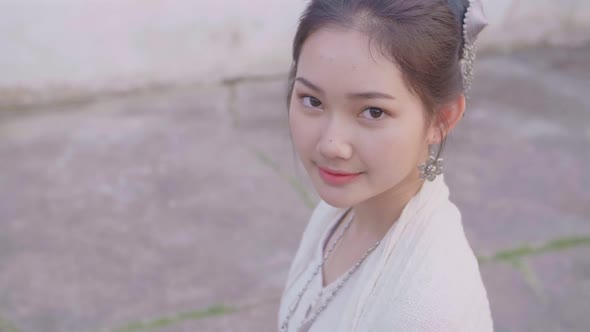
<point x="427" y="277"/>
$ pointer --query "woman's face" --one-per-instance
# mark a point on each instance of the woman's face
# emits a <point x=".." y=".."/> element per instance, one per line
<point x="350" y="112"/>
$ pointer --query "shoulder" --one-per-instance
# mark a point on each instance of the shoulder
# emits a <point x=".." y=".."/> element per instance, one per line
<point x="438" y="285"/>
<point x="455" y="287"/>
<point x="454" y="297"/>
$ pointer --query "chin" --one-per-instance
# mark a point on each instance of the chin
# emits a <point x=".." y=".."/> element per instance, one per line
<point x="339" y="197"/>
<point x="336" y="203"/>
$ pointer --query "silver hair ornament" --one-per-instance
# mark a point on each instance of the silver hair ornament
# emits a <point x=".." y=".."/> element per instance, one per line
<point x="473" y="23"/>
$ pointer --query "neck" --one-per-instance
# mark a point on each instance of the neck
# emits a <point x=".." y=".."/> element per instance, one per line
<point x="375" y="216"/>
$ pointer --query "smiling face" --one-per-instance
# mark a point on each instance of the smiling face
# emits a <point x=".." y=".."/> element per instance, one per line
<point x="351" y="112"/>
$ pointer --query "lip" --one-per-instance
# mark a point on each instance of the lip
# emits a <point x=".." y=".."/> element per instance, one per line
<point x="334" y="177"/>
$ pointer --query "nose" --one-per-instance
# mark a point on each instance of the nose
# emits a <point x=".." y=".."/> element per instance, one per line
<point x="334" y="142"/>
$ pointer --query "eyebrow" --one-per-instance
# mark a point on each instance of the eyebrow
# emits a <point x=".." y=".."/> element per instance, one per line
<point x="356" y="95"/>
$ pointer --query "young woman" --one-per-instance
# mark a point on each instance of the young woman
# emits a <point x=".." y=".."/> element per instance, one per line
<point x="375" y="86"/>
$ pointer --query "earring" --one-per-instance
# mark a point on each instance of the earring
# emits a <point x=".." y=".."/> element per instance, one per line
<point x="431" y="168"/>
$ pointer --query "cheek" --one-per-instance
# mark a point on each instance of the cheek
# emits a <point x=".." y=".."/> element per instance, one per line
<point x="301" y="131"/>
<point x="393" y="152"/>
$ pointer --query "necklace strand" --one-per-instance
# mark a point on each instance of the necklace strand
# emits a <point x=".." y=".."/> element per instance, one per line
<point x="306" y="324"/>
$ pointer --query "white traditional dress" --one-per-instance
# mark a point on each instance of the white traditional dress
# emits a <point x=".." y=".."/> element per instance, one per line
<point x="423" y="277"/>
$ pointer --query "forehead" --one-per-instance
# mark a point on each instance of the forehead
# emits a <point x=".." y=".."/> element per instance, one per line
<point x="344" y="58"/>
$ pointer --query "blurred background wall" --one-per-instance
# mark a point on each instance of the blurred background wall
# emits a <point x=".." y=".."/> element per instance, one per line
<point x="55" y="50"/>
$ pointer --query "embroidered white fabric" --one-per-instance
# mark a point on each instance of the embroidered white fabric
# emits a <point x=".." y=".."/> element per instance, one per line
<point x="424" y="278"/>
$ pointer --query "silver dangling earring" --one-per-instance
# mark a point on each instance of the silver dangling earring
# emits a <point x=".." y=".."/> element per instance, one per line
<point x="431" y="168"/>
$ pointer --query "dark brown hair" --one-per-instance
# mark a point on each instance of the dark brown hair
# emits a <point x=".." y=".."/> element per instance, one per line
<point x="422" y="37"/>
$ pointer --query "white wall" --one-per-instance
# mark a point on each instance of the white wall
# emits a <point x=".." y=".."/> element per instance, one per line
<point x="518" y="23"/>
<point x="54" y="49"/>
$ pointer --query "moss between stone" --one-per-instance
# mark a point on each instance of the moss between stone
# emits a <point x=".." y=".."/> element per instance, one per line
<point x="7" y="326"/>
<point x="515" y="254"/>
<point x="175" y="319"/>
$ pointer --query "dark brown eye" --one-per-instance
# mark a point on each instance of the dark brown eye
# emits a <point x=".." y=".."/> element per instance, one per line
<point x="311" y="101"/>
<point x="373" y="113"/>
<point x="376" y="113"/>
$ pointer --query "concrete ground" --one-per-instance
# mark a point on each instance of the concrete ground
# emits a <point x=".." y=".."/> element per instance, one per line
<point x="180" y="210"/>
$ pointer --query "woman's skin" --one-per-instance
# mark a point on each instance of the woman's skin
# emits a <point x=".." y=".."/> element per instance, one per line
<point x="351" y="111"/>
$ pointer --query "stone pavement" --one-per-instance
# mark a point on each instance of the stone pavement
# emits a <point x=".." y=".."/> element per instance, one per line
<point x="181" y="210"/>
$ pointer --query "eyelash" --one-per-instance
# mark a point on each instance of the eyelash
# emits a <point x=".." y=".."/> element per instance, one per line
<point x="368" y="108"/>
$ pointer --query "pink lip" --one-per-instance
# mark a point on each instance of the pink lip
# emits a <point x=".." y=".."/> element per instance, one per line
<point x="336" y="177"/>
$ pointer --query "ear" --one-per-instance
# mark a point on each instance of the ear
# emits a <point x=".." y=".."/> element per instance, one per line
<point x="448" y="117"/>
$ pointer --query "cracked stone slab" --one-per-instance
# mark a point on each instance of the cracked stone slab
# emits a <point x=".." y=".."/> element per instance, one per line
<point x="517" y="163"/>
<point x="553" y="298"/>
<point x="263" y="125"/>
<point x="132" y="209"/>
<point x="565" y="286"/>
<point x="146" y="206"/>
<point x="515" y="306"/>
<point x="259" y="318"/>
